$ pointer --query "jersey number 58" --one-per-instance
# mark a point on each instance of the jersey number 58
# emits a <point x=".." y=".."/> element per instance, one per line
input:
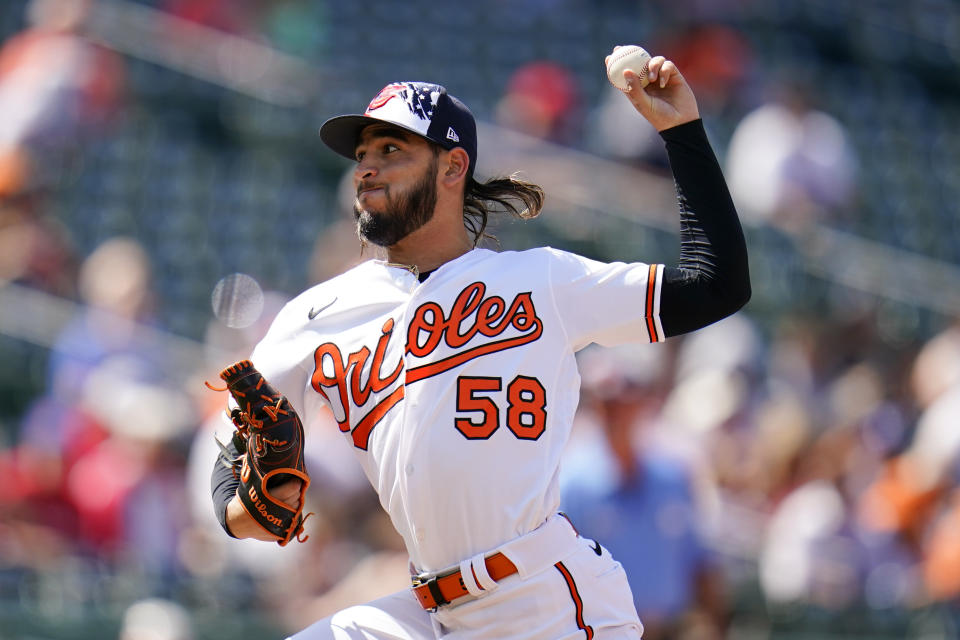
<point x="526" y="407"/>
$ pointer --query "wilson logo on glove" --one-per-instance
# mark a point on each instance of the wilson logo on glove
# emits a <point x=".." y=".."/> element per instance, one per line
<point x="262" y="508"/>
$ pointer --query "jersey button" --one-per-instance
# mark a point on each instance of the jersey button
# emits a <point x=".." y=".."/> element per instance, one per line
<point x="409" y="469"/>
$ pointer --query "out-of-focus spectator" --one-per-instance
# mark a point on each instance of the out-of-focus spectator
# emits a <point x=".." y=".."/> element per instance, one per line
<point x="35" y="249"/>
<point x="625" y="485"/>
<point x="733" y="344"/>
<point x="716" y="60"/>
<point x="115" y="283"/>
<point x="15" y="171"/>
<point x="542" y="100"/>
<point x="818" y="549"/>
<point x="56" y="87"/>
<point x="910" y="500"/>
<point x="935" y="384"/>
<point x="941" y="566"/>
<point x="55" y="84"/>
<point x="809" y="555"/>
<point x="135" y="510"/>
<point x="906" y="494"/>
<point x="107" y="426"/>
<point x="789" y="164"/>
<point x="936" y="368"/>
<point x="721" y="362"/>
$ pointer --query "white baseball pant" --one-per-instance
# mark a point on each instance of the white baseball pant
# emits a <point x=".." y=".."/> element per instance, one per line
<point x="566" y="588"/>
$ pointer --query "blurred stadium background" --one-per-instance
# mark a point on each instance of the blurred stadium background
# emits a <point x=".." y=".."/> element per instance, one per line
<point x="163" y="191"/>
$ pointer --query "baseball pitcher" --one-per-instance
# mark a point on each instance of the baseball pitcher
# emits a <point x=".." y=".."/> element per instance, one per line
<point x="450" y="369"/>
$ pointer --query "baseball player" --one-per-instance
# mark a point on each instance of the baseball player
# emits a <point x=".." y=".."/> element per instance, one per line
<point x="450" y="368"/>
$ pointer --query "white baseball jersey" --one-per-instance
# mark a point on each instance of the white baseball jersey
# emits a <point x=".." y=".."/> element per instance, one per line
<point x="458" y="393"/>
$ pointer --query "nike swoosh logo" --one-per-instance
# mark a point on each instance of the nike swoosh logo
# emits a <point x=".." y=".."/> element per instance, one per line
<point x="313" y="313"/>
<point x="596" y="548"/>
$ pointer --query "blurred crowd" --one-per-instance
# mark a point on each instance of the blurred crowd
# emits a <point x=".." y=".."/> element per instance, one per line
<point x="806" y="459"/>
<point x="817" y="458"/>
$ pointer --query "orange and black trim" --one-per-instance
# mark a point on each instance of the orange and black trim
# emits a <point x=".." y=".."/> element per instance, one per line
<point x="577" y="600"/>
<point x="651" y="310"/>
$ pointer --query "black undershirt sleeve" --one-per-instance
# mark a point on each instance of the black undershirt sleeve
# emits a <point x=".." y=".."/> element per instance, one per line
<point x="712" y="279"/>
<point x="223" y="485"/>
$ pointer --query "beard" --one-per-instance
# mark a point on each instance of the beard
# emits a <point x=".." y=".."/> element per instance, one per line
<point x="403" y="214"/>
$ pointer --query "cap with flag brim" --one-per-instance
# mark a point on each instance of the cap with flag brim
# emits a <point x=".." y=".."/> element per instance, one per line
<point x="419" y="107"/>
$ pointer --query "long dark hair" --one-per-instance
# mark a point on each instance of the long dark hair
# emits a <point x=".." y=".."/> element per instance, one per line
<point x="498" y="195"/>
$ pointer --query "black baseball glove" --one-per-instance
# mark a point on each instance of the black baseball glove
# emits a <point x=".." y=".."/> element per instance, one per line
<point x="269" y="438"/>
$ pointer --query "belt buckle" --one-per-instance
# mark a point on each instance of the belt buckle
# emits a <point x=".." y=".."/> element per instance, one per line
<point x="432" y="584"/>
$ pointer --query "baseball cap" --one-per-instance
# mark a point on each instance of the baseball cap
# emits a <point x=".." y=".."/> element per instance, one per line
<point x="421" y="107"/>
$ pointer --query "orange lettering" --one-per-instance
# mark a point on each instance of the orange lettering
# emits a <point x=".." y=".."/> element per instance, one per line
<point x="358" y="388"/>
<point x="485" y="312"/>
<point x="355" y="367"/>
<point x="522" y="314"/>
<point x="434" y="327"/>
<point x="465" y="304"/>
<point x="376" y="382"/>
<point x="490" y="319"/>
<point x="490" y="311"/>
<point x="339" y="379"/>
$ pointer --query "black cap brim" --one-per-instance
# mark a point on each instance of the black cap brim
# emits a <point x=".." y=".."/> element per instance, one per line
<point x="341" y="133"/>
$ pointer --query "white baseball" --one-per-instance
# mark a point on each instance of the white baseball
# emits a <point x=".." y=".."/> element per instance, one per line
<point x="628" y="57"/>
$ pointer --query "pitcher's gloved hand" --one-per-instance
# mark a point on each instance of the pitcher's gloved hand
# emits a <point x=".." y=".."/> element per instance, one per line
<point x="269" y="437"/>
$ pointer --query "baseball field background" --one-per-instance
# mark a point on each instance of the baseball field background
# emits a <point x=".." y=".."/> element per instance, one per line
<point x="163" y="192"/>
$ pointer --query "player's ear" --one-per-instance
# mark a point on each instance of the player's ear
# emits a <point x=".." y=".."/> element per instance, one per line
<point x="454" y="164"/>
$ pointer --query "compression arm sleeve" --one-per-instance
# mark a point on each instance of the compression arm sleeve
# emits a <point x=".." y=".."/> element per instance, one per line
<point x="223" y="485"/>
<point x="712" y="279"/>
